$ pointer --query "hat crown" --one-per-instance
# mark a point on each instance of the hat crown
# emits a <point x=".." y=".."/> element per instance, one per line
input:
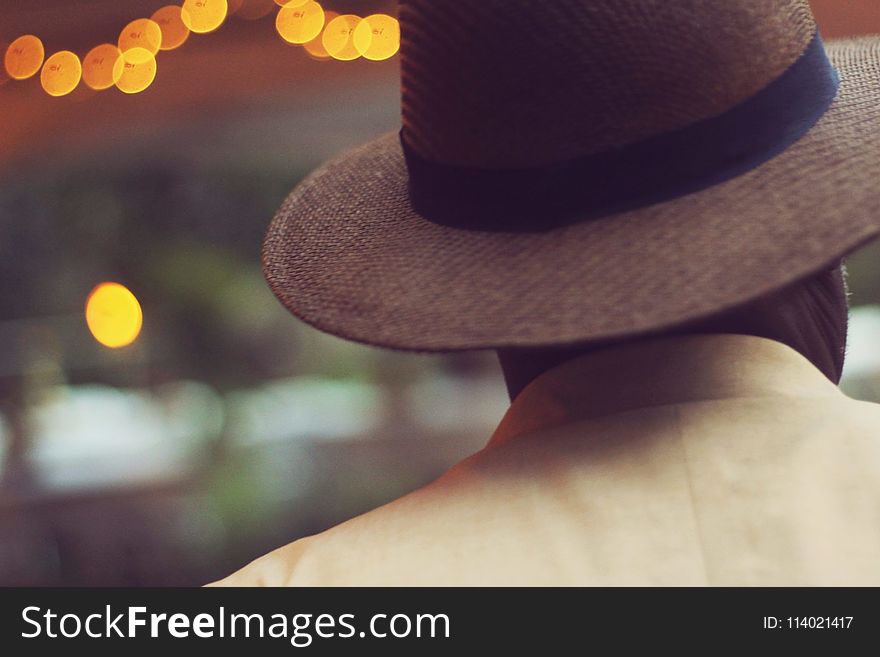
<point x="520" y="83"/>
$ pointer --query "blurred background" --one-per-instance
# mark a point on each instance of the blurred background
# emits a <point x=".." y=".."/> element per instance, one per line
<point x="163" y="420"/>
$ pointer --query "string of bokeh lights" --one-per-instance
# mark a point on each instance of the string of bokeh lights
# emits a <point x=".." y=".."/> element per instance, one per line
<point x="130" y="64"/>
<point x="113" y="314"/>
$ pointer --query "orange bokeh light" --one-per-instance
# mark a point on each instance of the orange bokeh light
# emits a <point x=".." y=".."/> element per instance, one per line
<point x="174" y="30"/>
<point x="300" y="24"/>
<point x="24" y="57"/>
<point x="315" y="48"/>
<point x="377" y="37"/>
<point x="203" y="16"/>
<point x="338" y="37"/>
<point x="138" y="71"/>
<point x="142" y="33"/>
<point x="102" y="66"/>
<point x="61" y="73"/>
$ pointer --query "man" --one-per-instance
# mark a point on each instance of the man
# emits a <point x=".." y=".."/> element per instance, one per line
<point x="643" y="207"/>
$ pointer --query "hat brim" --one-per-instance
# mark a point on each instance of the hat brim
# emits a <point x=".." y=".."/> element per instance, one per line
<point x="347" y="253"/>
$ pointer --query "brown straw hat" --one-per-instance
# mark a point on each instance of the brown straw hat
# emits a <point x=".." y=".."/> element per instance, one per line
<point x="581" y="170"/>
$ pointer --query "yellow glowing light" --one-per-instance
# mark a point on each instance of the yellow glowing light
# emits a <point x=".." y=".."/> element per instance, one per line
<point x="300" y="24"/>
<point x="24" y="57"/>
<point x="377" y="37"/>
<point x="102" y="66"/>
<point x="338" y="37"/>
<point x="203" y="16"/>
<point x="174" y="30"/>
<point x="61" y="73"/>
<point x="142" y="34"/>
<point x="291" y="3"/>
<point x="113" y="315"/>
<point x="138" y="71"/>
<point x="315" y="47"/>
<point x="253" y="9"/>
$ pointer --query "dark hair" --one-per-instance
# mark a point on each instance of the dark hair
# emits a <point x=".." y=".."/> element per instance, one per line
<point x="809" y="316"/>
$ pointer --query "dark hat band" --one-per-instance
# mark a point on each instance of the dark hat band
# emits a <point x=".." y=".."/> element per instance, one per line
<point x="637" y="175"/>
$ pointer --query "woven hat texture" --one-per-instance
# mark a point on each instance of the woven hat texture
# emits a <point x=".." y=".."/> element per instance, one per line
<point x="496" y="84"/>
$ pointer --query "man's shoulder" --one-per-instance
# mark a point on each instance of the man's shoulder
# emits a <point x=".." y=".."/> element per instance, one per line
<point x="486" y="500"/>
<point x="352" y="552"/>
<point x="861" y="418"/>
<point x="843" y="412"/>
<point x="864" y="409"/>
<point x="272" y="569"/>
<point x="833" y="409"/>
